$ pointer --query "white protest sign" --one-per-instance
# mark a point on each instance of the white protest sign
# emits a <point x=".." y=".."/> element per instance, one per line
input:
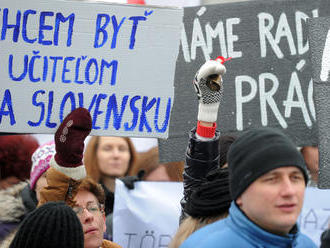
<point x="147" y="216"/>
<point x="315" y="215"/>
<point x="116" y="60"/>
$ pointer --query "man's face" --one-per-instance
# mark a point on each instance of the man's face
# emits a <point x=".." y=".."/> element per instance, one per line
<point x="93" y="222"/>
<point x="274" y="200"/>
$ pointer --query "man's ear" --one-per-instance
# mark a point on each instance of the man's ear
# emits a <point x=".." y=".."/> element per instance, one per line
<point x="239" y="201"/>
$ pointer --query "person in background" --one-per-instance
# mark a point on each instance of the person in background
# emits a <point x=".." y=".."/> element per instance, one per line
<point x="208" y="203"/>
<point x="154" y="171"/>
<point x="67" y="181"/>
<point x="28" y="196"/>
<point x="40" y="164"/>
<point x="108" y="158"/>
<point x="206" y="185"/>
<point x="267" y="190"/>
<point x="311" y="157"/>
<point x="15" y="166"/>
<point x="52" y="225"/>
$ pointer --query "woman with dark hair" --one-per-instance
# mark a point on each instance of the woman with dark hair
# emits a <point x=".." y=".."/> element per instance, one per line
<point x="15" y="166"/>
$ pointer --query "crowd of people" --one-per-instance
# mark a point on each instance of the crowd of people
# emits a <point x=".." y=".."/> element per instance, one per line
<point x="244" y="191"/>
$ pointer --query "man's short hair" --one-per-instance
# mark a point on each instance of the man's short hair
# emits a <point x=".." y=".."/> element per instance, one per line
<point x="88" y="184"/>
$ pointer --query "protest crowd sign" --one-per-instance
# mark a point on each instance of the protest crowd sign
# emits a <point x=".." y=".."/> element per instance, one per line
<point x="117" y="61"/>
<point x="319" y="37"/>
<point x="147" y="216"/>
<point x="268" y="80"/>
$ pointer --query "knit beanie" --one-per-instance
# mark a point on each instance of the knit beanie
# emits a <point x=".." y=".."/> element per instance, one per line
<point x="40" y="161"/>
<point x="212" y="198"/>
<point x="53" y="225"/>
<point x="257" y="152"/>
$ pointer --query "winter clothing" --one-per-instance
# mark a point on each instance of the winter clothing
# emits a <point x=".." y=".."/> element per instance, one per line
<point x="209" y="97"/>
<point x="15" y="203"/>
<point x="325" y="239"/>
<point x="109" y="200"/>
<point x="52" y="225"/>
<point x="212" y="198"/>
<point x="257" y="152"/>
<point x="109" y="244"/>
<point x="201" y="158"/>
<point x="20" y="199"/>
<point x="40" y="161"/>
<point x="67" y="172"/>
<point x="238" y="231"/>
<point x="69" y="140"/>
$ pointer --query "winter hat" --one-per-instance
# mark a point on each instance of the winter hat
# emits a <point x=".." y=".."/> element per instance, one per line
<point x="212" y="198"/>
<point x="40" y="161"/>
<point x="257" y="152"/>
<point x="52" y="225"/>
<point x="69" y="143"/>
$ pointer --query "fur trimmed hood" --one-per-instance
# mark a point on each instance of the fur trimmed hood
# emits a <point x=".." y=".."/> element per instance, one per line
<point x="11" y="203"/>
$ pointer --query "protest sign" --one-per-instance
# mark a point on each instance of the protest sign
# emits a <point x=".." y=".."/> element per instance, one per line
<point x="118" y="61"/>
<point x="315" y="214"/>
<point x="319" y="38"/>
<point x="268" y="80"/>
<point x="147" y="216"/>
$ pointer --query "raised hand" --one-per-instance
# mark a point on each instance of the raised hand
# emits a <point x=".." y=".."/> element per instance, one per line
<point x="208" y="86"/>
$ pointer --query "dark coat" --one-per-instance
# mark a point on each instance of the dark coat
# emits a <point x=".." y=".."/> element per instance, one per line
<point x="325" y="239"/>
<point x="201" y="158"/>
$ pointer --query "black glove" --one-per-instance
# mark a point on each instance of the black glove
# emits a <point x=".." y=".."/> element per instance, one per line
<point x="129" y="180"/>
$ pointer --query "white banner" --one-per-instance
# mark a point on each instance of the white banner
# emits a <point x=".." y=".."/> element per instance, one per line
<point x="116" y="60"/>
<point x="315" y="215"/>
<point x="148" y="216"/>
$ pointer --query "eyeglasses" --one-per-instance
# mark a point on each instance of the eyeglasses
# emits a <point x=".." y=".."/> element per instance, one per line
<point x="92" y="208"/>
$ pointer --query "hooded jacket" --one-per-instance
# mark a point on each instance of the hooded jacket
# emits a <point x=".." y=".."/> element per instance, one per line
<point x="238" y="231"/>
<point x="15" y="203"/>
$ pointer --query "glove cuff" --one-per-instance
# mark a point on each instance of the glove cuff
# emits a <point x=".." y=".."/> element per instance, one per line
<point x="206" y="132"/>
<point x="76" y="173"/>
<point x="208" y="112"/>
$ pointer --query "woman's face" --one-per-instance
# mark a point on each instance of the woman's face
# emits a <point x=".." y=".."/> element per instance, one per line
<point x="113" y="156"/>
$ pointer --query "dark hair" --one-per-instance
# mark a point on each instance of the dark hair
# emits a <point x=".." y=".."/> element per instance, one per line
<point x="15" y="155"/>
<point x="52" y="225"/>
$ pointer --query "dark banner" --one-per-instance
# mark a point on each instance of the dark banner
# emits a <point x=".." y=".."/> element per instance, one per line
<point x="319" y="39"/>
<point x="268" y="80"/>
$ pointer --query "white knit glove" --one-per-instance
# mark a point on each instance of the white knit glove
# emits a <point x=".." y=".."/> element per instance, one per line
<point x="209" y="100"/>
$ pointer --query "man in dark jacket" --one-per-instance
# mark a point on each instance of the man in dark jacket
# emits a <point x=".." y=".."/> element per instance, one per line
<point x="268" y="180"/>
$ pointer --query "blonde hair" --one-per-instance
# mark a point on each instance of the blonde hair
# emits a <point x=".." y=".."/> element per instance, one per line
<point x="91" y="162"/>
<point x="190" y="225"/>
